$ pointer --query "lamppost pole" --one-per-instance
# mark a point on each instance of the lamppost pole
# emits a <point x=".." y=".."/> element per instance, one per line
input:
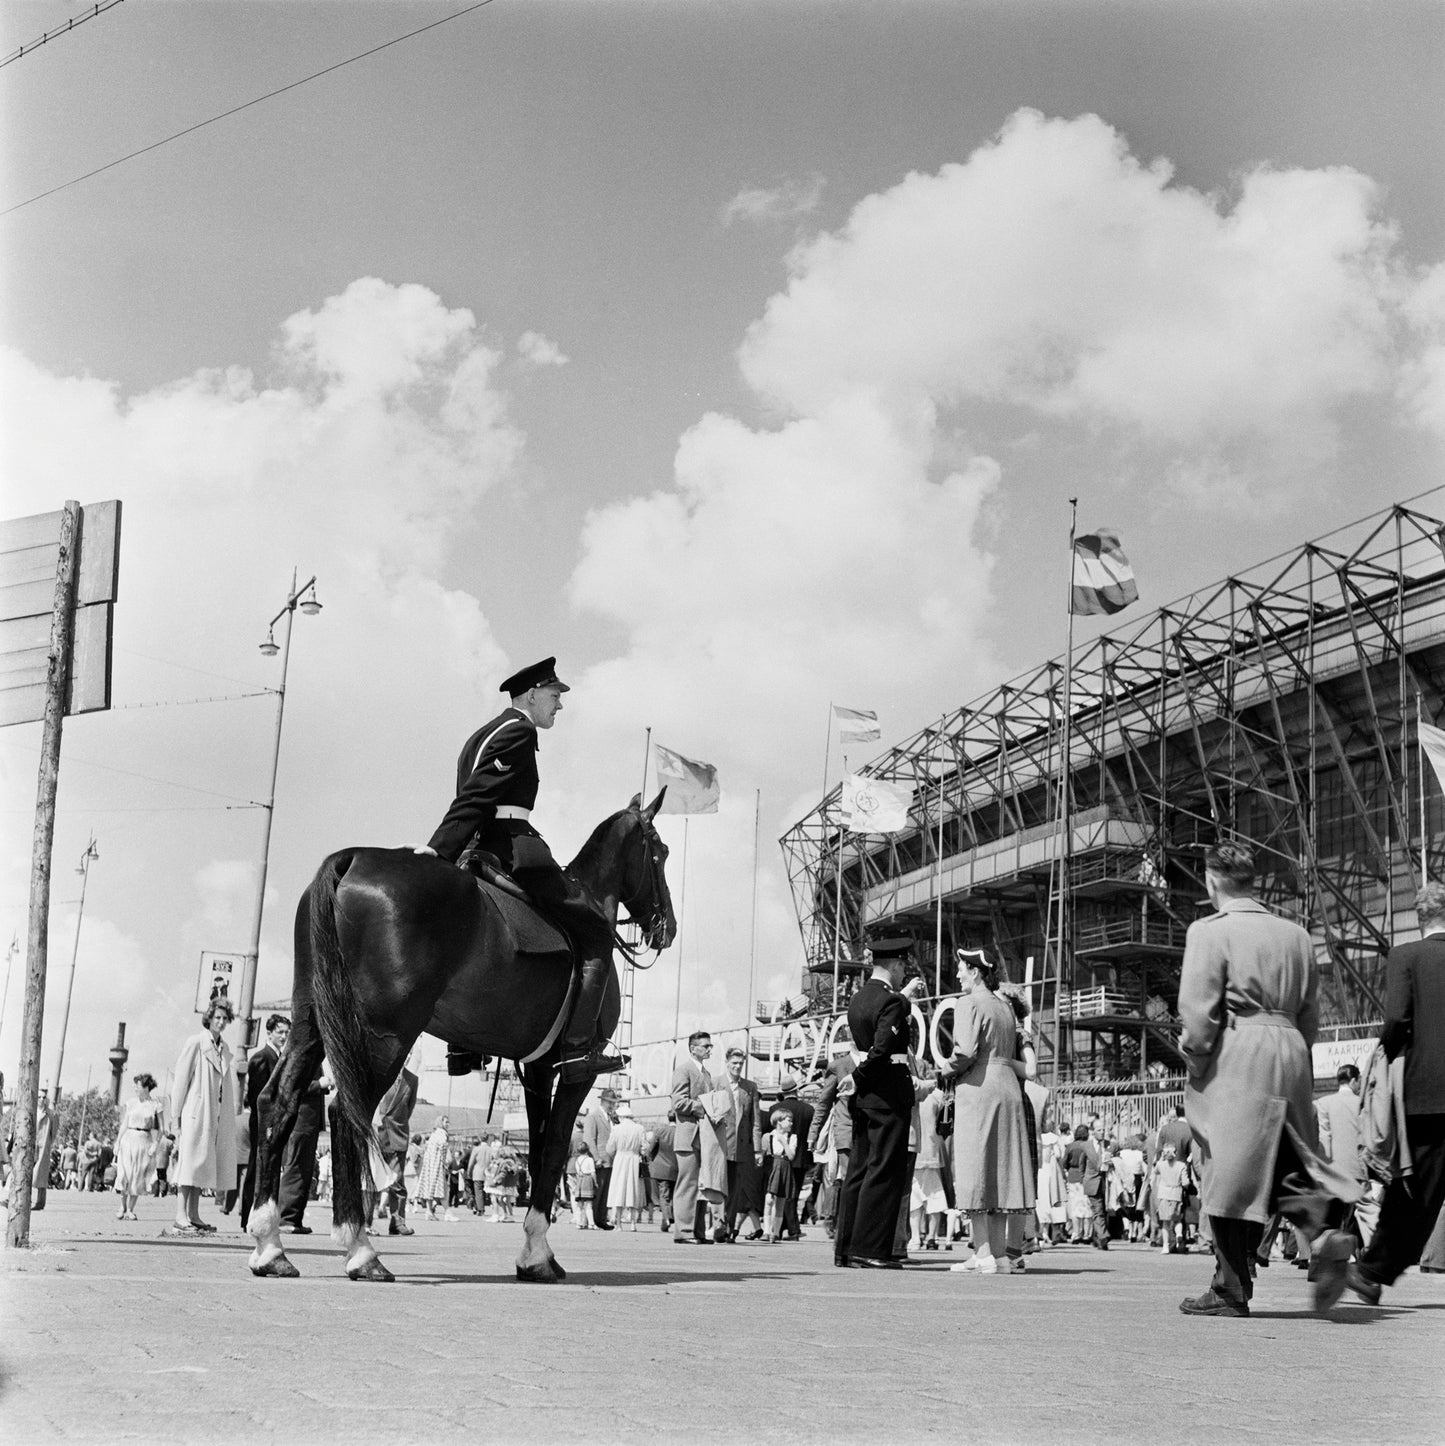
<point x="305" y="598"/>
<point x="91" y="852"/>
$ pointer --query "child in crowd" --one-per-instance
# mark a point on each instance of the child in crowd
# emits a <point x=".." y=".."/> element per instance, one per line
<point x="585" y="1191"/>
<point x="502" y="1182"/>
<point x="1171" y="1180"/>
<point x="780" y="1150"/>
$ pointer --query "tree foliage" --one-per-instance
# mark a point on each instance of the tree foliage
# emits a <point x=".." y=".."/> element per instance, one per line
<point x="101" y="1118"/>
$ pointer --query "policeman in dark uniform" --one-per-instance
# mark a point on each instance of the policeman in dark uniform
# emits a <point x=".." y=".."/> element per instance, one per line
<point x="497" y="786"/>
<point x="881" y="1108"/>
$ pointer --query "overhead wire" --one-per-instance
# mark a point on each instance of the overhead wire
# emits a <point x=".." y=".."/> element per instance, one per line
<point x="246" y="105"/>
<point x="98" y="9"/>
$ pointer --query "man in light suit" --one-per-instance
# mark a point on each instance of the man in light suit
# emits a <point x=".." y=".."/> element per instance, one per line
<point x="596" y="1132"/>
<point x="1338" y="1118"/>
<point x="690" y="1082"/>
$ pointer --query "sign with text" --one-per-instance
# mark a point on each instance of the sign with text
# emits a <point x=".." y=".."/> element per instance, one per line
<point x="220" y="974"/>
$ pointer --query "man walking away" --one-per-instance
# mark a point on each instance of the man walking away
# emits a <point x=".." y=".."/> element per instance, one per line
<point x="1415" y="1027"/>
<point x="1248" y="999"/>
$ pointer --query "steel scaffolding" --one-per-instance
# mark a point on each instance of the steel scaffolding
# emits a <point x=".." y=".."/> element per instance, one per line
<point x="1278" y="705"/>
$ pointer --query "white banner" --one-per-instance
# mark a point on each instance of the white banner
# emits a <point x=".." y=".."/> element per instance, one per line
<point x="872" y="806"/>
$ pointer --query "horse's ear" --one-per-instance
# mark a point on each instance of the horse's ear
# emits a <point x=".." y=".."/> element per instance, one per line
<point x="636" y="801"/>
<point x="650" y="812"/>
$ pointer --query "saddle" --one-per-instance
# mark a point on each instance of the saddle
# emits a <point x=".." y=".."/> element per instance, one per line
<point x="533" y="933"/>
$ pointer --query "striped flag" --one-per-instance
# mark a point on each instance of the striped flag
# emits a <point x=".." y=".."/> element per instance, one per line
<point x="1432" y="745"/>
<point x="872" y="806"/>
<point x="855" y="724"/>
<point x="692" y="787"/>
<point x="1103" y="580"/>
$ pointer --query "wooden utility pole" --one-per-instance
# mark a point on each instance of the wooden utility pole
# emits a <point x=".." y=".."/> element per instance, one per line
<point x="27" y="1093"/>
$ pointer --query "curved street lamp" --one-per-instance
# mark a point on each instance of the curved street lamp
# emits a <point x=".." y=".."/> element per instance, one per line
<point x="91" y="853"/>
<point x="305" y="599"/>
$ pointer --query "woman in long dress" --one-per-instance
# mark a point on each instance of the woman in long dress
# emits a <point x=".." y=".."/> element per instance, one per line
<point x="624" y="1147"/>
<point x="135" y="1147"/>
<point x="431" y="1179"/>
<point x="203" y="1101"/>
<point x="993" y="1164"/>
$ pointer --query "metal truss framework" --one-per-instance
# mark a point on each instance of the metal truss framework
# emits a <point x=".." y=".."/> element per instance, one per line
<point x="1278" y="705"/>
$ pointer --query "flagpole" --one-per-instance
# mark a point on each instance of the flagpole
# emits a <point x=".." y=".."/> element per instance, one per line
<point x="753" y="929"/>
<point x="827" y="747"/>
<point x="646" y="757"/>
<point x="1424" y="833"/>
<point x="938" y="864"/>
<point x="1065" y="801"/>
<point x="681" y="907"/>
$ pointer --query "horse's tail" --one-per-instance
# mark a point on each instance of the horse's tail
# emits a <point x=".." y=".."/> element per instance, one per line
<point x="338" y="1015"/>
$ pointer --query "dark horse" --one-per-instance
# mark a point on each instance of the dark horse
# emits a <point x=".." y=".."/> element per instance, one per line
<point x="391" y="944"/>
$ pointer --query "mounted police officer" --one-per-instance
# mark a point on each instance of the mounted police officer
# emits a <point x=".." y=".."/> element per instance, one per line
<point x="497" y="785"/>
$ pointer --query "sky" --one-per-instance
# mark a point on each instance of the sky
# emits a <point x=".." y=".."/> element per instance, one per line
<point x="742" y="355"/>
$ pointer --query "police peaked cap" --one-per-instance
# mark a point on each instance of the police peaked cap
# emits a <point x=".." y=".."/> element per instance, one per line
<point x="890" y="945"/>
<point x="539" y="675"/>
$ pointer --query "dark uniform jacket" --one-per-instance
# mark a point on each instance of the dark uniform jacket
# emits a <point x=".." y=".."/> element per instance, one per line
<point x="497" y="766"/>
<point x="878" y="1022"/>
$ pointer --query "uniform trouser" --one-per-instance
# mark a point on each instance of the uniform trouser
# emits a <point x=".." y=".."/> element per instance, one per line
<point x="878" y="1174"/>
<point x="684" y="1199"/>
<point x="298" y="1169"/>
<point x="1411" y="1206"/>
<point x="1296" y="1197"/>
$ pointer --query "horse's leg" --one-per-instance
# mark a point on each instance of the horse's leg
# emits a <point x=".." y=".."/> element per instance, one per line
<point x="276" y="1113"/>
<point x="550" y="1118"/>
<point x="351" y="1172"/>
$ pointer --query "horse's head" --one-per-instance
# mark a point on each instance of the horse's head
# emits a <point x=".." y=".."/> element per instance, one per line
<point x="624" y="862"/>
<point x="644" y="889"/>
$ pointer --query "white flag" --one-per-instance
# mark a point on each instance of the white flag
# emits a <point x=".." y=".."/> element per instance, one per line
<point x="1432" y="745"/>
<point x="872" y="806"/>
<point x="854" y="723"/>
<point x="691" y="787"/>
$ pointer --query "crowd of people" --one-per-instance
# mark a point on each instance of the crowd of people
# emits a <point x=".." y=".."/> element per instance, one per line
<point x="890" y="1157"/>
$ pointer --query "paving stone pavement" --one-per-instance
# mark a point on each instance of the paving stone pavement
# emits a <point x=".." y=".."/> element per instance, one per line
<point x="110" y="1333"/>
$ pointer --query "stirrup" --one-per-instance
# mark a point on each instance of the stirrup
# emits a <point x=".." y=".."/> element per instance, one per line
<point x="577" y="1065"/>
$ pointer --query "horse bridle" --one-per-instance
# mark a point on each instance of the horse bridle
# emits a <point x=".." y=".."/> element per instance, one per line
<point x="654" y="889"/>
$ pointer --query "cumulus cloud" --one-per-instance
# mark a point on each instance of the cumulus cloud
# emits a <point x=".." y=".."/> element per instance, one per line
<point x="539" y="350"/>
<point x="1055" y="271"/>
<point x="784" y="202"/>
<point x="362" y="458"/>
<point x="1422" y="381"/>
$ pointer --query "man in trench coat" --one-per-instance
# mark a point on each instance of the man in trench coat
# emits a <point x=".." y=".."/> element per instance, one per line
<point x="1248" y="999"/>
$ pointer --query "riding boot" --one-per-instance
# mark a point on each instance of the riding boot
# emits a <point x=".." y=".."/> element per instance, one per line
<point x="584" y="1056"/>
<point x="463" y="1061"/>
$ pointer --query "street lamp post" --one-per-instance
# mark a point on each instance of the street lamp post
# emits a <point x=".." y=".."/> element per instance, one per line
<point x="91" y="852"/>
<point x="303" y="597"/>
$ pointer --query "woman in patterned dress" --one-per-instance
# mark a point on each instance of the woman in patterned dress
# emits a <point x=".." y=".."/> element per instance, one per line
<point x="431" y="1179"/>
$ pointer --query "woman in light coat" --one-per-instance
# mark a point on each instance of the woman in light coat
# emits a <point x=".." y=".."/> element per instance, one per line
<point x="203" y="1101"/>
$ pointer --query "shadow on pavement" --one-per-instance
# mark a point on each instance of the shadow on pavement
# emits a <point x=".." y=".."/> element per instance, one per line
<point x="605" y="1279"/>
